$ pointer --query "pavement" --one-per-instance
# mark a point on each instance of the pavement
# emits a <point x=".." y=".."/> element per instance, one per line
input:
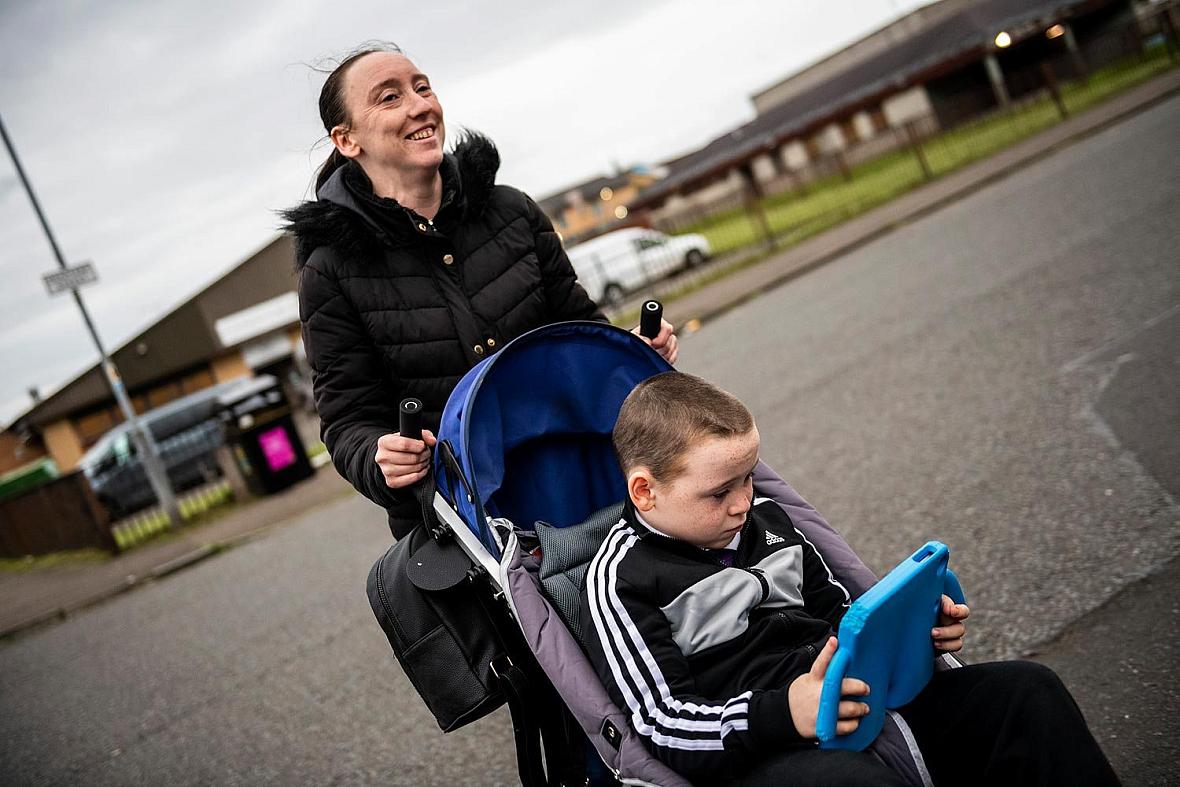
<point x="1114" y="658"/>
<point x="37" y="596"/>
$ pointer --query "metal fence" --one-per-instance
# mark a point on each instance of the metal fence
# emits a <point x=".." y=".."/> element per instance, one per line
<point x="776" y="213"/>
<point x="149" y="522"/>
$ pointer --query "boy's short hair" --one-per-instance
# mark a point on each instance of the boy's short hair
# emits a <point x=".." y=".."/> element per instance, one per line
<point x="666" y="414"/>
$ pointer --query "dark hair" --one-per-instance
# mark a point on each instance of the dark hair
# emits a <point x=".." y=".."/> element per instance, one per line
<point x="333" y="111"/>
<point x="666" y="414"/>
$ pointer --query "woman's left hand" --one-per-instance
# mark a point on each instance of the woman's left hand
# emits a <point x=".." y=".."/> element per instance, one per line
<point x="665" y="342"/>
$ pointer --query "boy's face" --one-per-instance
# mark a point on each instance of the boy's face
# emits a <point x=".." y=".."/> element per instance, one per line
<point x="707" y="503"/>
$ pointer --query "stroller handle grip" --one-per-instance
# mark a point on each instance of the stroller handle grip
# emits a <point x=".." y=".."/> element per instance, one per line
<point x="650" y="315"/>
<point x="409" y="418"/>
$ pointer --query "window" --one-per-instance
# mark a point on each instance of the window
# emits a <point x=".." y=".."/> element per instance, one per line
<point x="123" y="449"/>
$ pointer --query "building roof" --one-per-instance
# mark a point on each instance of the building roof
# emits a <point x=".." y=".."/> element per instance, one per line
<point x="960" y="36"/>
<point x="557" y="201"/>
<point x="182" y="339"/>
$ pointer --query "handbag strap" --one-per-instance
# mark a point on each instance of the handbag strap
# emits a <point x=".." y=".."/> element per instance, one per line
<point x="525" y="730"/>
<point x="424" y="493"/>
<point x="457" y="483"/>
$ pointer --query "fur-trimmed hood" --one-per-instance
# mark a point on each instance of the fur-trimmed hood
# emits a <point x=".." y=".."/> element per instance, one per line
<point x="339" y="220"/>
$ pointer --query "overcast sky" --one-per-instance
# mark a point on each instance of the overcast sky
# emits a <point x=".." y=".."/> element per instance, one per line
<point x="161" y="137"/>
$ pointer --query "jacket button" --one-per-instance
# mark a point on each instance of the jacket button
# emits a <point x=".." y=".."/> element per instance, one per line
<point x="448" y="259"/>
<point x="491" y="342"/>
<point x="479" y="349"/>
<point x="422" y="228"/>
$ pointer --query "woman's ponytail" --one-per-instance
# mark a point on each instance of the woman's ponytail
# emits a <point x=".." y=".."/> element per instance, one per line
<point x="335" y="161"/>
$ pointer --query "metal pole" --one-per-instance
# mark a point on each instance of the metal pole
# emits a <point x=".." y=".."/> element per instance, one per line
<point x="144" y="442"/>
<point x="1075" y="54"/>
<point x="995" y="75"/>
<point x="1054" y="91"/>
<point x="911" y="133"/>
<point x="752" y="196"/>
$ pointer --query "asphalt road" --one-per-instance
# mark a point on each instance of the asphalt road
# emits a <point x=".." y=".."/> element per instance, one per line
<point x="1000" y="375"/>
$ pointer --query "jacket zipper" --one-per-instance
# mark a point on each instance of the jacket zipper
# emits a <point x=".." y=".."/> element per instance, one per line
<point x="812" y="651"/>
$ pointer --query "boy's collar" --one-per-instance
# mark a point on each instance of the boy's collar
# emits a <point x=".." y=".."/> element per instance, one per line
<point x="643" y="523"/>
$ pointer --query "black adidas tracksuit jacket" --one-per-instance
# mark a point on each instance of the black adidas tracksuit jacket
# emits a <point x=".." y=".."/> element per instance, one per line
<point x="700" y="655"/>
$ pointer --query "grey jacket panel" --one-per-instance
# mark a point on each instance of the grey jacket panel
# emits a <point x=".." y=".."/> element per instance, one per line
<point x="784" y="574"/>
<point x="714" y="610"/>
<point x="717" y="609"/>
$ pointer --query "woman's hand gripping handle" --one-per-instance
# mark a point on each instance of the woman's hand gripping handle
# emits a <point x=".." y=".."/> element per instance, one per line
<point x="404" y="458"/>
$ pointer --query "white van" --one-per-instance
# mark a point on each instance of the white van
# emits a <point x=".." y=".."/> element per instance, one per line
<point x="620" y="262"/>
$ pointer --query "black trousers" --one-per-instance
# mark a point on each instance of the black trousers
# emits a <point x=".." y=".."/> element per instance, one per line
<point x="1007" y="723"/>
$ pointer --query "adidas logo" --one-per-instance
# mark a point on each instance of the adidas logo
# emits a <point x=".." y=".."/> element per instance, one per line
<point x="772" y="539"/>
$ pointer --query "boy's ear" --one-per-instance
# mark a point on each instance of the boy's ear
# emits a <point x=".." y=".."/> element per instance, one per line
<point x="639" y="489"/>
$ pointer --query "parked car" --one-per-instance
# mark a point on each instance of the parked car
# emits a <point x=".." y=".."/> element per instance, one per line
<point x="188" y="433"/>
<point x="618" y="263"/>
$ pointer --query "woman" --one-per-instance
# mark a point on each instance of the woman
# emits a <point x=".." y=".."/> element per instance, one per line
<point x="413" y="267"/>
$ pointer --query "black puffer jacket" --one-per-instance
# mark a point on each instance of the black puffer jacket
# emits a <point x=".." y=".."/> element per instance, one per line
<point x="393" y="305"/>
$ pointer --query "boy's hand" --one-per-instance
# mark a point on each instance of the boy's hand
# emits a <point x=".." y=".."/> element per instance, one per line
<point x="948" y="635"/>
<point x="803" y="697"/>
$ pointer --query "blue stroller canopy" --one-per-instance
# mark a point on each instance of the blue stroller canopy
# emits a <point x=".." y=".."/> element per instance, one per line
<point x="530" y="426"/>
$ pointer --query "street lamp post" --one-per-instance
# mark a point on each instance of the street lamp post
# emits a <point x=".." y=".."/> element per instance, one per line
<point x="144" y="442"/>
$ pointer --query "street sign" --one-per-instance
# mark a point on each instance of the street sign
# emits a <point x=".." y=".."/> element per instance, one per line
<point x="70" y="278"/>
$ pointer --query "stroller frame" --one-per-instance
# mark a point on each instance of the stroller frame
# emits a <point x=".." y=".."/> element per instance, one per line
<point x="552" y="721"/>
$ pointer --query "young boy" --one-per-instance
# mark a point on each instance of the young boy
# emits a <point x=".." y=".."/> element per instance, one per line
<point x="711" y="622"/>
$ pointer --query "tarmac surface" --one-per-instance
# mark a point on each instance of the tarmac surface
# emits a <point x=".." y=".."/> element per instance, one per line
<point x="999" y="373"/>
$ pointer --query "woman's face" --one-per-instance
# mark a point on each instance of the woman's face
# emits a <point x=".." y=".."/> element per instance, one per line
<point x="396" y="119"/>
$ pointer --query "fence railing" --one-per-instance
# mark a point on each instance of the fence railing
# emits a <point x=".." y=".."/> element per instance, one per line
<point x="149" y="522"/>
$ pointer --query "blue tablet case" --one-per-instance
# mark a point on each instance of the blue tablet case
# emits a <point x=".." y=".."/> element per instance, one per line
<point x="885" y="641"/>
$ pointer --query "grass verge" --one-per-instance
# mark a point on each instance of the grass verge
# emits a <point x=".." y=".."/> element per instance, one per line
<point x="794" y="216"/>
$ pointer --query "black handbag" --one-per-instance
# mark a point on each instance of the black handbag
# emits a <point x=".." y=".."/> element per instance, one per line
<point x="444" y="639"/>
<point x="431" y="602"/>
<point x="461" y="650"/>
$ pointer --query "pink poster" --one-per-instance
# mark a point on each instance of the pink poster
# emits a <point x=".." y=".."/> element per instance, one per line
<point x="277" y="448"/>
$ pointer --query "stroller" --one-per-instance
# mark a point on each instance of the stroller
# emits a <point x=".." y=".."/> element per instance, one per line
<point x="525" y="456"/>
